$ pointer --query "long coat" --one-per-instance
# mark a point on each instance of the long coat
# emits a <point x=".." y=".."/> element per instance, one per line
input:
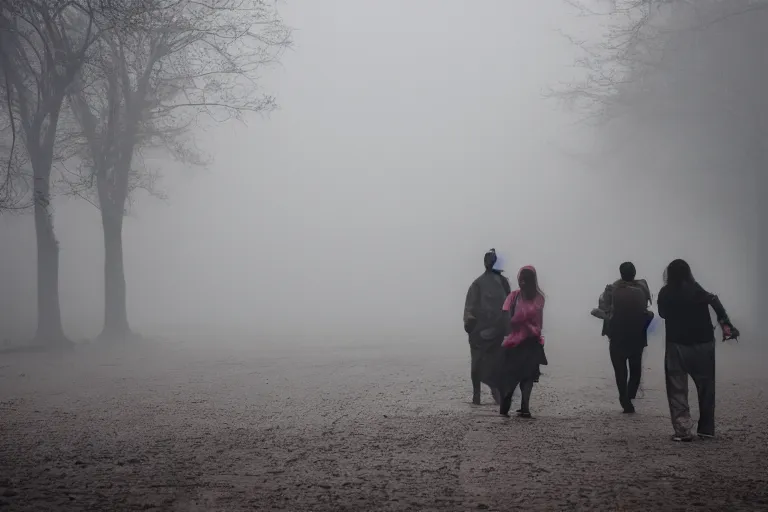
<point x="484" y="320"/>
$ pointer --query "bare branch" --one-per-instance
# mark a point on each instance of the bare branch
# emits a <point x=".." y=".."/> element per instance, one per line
<point x="147" y="85"/>
<point x="627" y="62"/>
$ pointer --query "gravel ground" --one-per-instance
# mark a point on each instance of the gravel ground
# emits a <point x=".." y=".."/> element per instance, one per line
<point x="182" y="426"/>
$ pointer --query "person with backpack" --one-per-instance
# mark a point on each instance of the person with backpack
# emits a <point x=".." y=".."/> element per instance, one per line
<point x="690" y="348"/>
<point x="626" y="319"/>
<point x="523" y="348"/>
<point x="485" y="323"/>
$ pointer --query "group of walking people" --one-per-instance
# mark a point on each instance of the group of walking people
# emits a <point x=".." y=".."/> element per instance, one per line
<point x="507" y="344"/>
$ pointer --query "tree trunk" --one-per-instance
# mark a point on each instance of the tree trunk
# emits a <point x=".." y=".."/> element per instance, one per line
<point x="116" y="326"/>
<point x="49" y="327"/>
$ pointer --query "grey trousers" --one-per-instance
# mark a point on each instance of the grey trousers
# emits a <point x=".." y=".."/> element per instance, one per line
<point x="698" y="361"/>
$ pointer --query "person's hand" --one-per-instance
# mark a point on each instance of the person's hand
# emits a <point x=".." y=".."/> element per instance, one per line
<point x="730" y="332"/>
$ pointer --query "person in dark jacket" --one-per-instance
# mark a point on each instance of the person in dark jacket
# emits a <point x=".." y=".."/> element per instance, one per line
<point x="627" y="301"/>
<point x="485" y="323"/>
<point x="690" y="348"/>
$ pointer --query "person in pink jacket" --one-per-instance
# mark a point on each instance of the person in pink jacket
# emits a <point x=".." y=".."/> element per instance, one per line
<point x="523" y="346"/>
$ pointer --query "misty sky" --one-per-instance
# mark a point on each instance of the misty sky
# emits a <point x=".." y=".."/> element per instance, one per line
<point x="412" y="137"/>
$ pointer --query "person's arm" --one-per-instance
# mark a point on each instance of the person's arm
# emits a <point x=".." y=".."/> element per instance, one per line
<point x="473" y="295"/>
<point x="505" y="284"/>
<point x="506" y="317"/>
<point x="534" y="318"/>
<point x="729" y="330"/>
<point x="606" y="300"/>
<point x="714" y="301"/>
<point x="647" y="291"/>
<point x="600" y="311"/>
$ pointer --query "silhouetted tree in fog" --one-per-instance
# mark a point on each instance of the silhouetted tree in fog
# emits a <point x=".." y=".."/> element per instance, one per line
<point x="644" y="41"/>
<point x="146" y="86"/>
<point x="695" y="71"/>
<point x="43" y="45"/>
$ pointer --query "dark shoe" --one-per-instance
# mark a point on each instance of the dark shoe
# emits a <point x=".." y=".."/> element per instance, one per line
<point x="526" y="415"/>
<point x="705" y="435"/>
<point x="628" y="408"/>
<point x="505" y="414"/>
<point x="682" y="438"/>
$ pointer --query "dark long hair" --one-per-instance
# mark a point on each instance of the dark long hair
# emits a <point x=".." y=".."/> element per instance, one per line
<point x="680" y="279"/>
<point x="531" y="289"/>
<point x="679" y="273"/>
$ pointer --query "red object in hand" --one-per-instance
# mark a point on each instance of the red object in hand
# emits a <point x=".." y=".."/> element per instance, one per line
<point x="730" y="332"/>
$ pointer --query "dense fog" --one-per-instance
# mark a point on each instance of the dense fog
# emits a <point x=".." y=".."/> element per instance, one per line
<point x="411" y="137"/>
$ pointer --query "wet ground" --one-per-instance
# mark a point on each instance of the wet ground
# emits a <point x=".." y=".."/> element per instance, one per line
<point x="178" y="426"/>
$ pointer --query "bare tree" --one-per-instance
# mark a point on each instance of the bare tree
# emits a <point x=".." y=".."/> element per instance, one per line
<point x="144" y="88"/>
<point x="630" y="62"/>
<point x="42" y="47"/>
<point x="693" y="70"/>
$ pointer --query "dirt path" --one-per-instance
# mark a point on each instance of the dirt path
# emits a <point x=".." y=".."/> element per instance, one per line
<point x="180" y="427"/>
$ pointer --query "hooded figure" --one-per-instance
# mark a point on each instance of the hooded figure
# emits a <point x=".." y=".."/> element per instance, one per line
<point x="523" y="347"/>
<point x="485" y="323"/>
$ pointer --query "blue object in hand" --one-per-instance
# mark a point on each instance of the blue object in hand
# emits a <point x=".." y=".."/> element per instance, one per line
<point x="653" y="325"/>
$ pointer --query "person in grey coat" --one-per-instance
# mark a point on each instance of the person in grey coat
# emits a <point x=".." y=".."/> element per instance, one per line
<point x="690" y="348"/>
<point x="486" y="323"/>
